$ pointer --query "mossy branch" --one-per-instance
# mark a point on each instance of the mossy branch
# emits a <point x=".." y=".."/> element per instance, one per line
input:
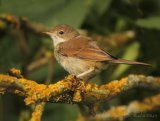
<point x="34" y="92"/>
<point x="71" y="90"/>
<point x="130" y="110"/>
<point x="37" y="113"/>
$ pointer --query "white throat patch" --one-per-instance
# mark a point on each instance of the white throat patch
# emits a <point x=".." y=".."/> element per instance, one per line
<point x="57" y="40"/>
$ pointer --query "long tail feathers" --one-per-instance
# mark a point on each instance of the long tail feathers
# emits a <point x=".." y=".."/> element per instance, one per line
<point x="129" y="62"/>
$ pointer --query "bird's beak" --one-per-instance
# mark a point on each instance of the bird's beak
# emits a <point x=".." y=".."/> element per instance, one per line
<point x="47" y="32"/>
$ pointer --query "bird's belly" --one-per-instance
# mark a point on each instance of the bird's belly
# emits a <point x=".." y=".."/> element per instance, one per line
<point x="74" y="66"/>
<point x="78" y="66"/>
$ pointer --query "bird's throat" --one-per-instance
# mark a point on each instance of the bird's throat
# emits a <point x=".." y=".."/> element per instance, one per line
<point x="57" y="40"/>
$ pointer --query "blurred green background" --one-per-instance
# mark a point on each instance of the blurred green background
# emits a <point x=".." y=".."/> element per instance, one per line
<point x="110" y="20"/>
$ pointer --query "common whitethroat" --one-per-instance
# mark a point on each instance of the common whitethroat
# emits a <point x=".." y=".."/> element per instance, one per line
<point x="80" y="55"/>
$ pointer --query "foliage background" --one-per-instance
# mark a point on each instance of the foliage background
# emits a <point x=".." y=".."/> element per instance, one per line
<point x="104" y="17"/>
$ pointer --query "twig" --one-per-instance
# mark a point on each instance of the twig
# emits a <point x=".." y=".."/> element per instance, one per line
<point x="25" y="50"/>
<point x="48" y="56"/>
<point x="37" y="113"/>
<point x="39" y="107"/>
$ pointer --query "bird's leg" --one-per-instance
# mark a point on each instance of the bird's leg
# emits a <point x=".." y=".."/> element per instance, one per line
<point x="86" y="74"/>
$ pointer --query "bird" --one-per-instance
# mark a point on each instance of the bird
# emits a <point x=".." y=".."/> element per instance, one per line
<point x="80" y="55"/>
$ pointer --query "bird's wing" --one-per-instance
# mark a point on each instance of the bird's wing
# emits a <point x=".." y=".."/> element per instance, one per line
<point x="83" y="48"/>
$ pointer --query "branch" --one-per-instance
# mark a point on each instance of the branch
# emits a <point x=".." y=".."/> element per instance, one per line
<point x="37" y="113"/>
<point x="11" y="21"/>
<point x="37" y="28"/>
<point x="71" y="89"/>
<point x="46" y="58"/>
<point x="135" y="107"/>
<point x="114" y="40"/>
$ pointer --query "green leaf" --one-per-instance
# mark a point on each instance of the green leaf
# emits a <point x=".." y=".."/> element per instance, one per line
<point x="150" y="23"/>
<point x="71" y="12"/>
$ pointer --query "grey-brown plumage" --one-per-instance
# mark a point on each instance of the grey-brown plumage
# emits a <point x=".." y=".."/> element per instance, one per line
<point x="80" y="55"/>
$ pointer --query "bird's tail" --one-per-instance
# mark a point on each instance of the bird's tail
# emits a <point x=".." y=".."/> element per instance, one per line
<point x="129" y="62"/>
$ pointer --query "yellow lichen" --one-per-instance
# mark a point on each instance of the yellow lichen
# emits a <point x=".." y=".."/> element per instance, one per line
<point x="92" y="90"/>
<point x="34" y="92"/>
<point x="36" y="115"/>
<point x="115" y="86"/>
<point x="154" y="100"/>
<point x="138" y="106"/>
<point x="15" y="72"/>
<point x="37" y="92"/>
<point x="6" y="78"/>
<point x="118" y="112"/>
<point x="147" y="104"/>
<point x="77" y="96"/>
<point x="2" y="91"/>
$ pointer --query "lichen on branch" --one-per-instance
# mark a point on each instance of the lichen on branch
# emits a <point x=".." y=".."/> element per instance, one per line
<point x="71" y="90"/>
<point x="132" y="109"/>
<point x="34" y="92"/>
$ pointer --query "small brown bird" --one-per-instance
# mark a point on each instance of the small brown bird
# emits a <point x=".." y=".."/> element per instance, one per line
<point x="80" y="55"/>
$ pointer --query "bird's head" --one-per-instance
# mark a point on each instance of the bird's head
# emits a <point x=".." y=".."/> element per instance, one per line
<point x="62" y="33"/>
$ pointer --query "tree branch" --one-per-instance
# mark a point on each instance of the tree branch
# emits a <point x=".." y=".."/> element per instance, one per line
<point x="37" y="113"/>
<point x="34" y="92"/>
<point x="71" y="90"/>
<point x="135" y="107"/>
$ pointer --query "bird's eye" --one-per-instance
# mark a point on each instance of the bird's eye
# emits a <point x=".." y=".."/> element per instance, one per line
<point x="61" y="32"/>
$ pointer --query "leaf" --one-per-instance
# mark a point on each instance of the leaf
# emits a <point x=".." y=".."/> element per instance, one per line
<point x="150" y="23"/>
<point x="73" y="13"/>
<point x="53" y="12"/>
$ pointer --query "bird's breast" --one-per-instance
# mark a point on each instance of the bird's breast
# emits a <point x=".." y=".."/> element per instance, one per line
<point x="77" y="66"/>
<point x="71" y="64"/>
